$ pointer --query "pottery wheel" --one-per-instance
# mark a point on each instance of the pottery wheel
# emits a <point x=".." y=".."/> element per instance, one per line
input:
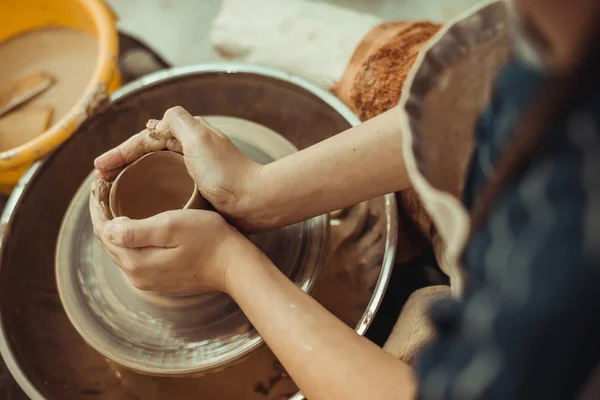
<point x="175" y="335"/>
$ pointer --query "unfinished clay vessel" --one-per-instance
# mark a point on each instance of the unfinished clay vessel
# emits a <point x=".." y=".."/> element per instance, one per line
<point x="155" y="183"/>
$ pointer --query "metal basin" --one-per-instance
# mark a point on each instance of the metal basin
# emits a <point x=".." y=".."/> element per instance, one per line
<point x="44" y="352"/>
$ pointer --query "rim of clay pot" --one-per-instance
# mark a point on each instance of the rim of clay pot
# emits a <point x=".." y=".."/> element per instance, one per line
<point x="21" y="188"/>
<point x="194" y="195"/>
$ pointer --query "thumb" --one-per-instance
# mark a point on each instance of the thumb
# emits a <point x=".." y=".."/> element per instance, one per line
<point x="138" y="233"/>
<point x="187" y="129"/>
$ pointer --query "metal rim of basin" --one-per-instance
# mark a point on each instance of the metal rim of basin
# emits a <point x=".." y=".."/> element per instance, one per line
<point x="226" y="68"/>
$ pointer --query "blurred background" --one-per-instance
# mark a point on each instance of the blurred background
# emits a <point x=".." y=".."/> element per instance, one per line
<point x="179" y="29"/>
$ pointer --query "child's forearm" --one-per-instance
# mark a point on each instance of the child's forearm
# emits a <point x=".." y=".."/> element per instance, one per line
<point x="326" y="358"/>
<point x="359" y="164"/>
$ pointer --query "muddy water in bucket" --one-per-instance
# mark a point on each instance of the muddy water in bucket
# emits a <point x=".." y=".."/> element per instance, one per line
<point x="69" y="56"/>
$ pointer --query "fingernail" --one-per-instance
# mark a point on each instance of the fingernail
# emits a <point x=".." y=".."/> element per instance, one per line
<point x="100" y="162"/>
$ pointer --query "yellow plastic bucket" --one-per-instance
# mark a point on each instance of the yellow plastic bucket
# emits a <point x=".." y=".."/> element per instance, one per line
<point x="91" y="16"/>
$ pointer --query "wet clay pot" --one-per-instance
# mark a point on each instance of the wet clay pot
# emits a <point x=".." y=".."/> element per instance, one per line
<point x="155" y="183"/>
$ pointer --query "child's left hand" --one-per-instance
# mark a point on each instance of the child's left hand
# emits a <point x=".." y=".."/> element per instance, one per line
<point x="177" y="252"/>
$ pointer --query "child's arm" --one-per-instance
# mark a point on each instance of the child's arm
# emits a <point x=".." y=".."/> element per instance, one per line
<point x="325" y="357"/>
<point x="360" y="164"/>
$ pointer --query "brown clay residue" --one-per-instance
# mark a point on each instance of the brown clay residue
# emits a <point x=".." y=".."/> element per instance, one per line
<point x="373" y="81"/>
<point x="159" y="131"/>
<point x="101" y="192"/>
<point x="153" y="131"/>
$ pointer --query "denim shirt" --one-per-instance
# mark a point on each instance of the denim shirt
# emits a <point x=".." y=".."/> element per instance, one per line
<point x="528" y="324"/>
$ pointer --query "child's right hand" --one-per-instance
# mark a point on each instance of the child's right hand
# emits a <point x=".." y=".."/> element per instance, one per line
<point x="223" y="174"/>
<point x="361" y="163"/>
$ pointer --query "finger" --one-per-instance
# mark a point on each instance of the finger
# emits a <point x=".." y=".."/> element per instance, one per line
<point x="146" y="269"/>
<point x="125" y="258"/>
<point x="110" y="175"/>
<point x="117" y="157"/>
<point x="156" y="231"/>
<point x="138" y="264"/>
<point x="99" y="222"/>
<point x="152" y="271"/>
<point x="129" y="151"/>
<point x="209" y="127"/>
<point x="111" y="249"/>
<point x="100" y="218"/>
<point x="113" y="256"/>
<point x="187" y="129"/>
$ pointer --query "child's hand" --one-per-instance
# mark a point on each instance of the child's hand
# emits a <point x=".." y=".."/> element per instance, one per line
<point x="178" y="252"/>
<point x="223" y="174"/>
